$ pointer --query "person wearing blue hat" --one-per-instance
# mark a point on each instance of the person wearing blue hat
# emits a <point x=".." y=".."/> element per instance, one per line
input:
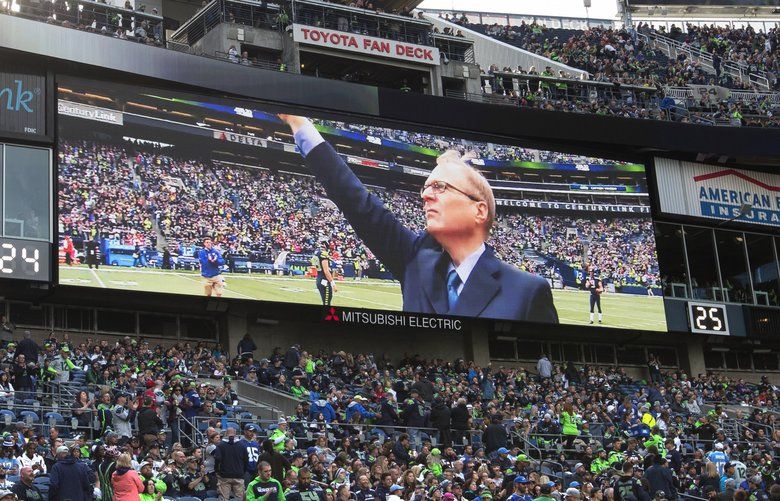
<point x="503" y="459"/>
<point x="575" y="484"/>
<point x="520" y="489"/>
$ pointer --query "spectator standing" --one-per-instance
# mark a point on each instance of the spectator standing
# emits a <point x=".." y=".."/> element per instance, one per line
<point x="660" y="478"/>
<point x="495" y="435"/>
<point x="279" y="464"/>
<point x="246" y="347"/>
<point x="459" y="419"/>
<point x="125" y="482"/>
<point x="149" y="423"/>
<point x="230" y="458"/>
<point x="440" y="419"/>
<point x="28" y="348"/>
<point x="70" y="479"/>
<point x="544" y="367"/>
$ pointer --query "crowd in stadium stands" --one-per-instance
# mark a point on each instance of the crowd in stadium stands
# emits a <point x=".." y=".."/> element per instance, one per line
<point x="752" y="51"/>
<point x="616" y="55"/>
<point x="106" y="20"/>
<point x="622" y="249"/>
<point x="105" y="190"/>
<point x="490" y="151"/>
<point x="148" y="421"/>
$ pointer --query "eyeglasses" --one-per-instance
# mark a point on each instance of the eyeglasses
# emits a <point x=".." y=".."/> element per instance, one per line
<point x="439" y="187"/>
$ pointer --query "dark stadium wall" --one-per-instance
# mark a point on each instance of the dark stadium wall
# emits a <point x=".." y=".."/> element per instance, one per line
<point x="72" y="51"/>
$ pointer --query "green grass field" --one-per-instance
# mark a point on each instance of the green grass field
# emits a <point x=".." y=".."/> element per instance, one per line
<point x="622" y="311"/>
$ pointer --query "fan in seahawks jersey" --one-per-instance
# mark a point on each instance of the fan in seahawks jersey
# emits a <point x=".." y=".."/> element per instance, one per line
<point x="304" y="490"/>
<point x="325" y="283"/>
<point x="264" y="487"/>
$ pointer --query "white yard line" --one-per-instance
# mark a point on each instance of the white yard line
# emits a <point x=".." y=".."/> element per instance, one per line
<point x="99" y="281"/>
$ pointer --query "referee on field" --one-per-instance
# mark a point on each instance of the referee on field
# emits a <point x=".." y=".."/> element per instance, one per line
<point x="596" y="287"/>
<point x="324" y="276"/>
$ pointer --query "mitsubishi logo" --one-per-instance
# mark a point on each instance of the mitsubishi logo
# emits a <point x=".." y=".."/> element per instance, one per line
<point x="332" y="316"/>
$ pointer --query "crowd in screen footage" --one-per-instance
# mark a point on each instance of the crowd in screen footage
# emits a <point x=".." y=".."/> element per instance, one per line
<point x="149" y="422"/>
<point x="446" y="269"/>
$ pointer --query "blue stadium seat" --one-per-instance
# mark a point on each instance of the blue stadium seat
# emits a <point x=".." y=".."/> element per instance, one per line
<point x="54" y="417"/>
<point x="188" y="498"/>
<point x="42" y="480"/>
<point x="13" y="478"/>
<point x="29" y="415"/>
<point x="7" y="417"/>
<point x="211" y="499"/>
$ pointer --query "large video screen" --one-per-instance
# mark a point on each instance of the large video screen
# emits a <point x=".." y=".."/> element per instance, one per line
<point x="168" y="192"/>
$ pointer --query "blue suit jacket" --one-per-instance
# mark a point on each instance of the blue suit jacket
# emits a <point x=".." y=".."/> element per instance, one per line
<point x="494" y="289"/>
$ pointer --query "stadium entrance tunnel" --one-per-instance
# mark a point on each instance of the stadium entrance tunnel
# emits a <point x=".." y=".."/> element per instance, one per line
<point x="391" y="76"/>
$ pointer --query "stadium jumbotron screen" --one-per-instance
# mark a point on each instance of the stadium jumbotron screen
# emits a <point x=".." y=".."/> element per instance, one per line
<point x="178" y="193"/>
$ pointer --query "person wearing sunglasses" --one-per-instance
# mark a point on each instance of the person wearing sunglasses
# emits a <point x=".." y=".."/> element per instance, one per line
<point x="447" y="268"/>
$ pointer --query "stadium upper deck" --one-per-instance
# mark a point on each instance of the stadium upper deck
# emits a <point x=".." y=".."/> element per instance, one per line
<point x="653" y="84"/>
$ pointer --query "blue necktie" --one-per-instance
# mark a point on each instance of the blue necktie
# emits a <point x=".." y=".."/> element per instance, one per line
<point x="453" y="282"/>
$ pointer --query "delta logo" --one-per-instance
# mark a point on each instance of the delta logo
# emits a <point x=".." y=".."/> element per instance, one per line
<point x="723" y="193"/>
<point x="17" y="98"/>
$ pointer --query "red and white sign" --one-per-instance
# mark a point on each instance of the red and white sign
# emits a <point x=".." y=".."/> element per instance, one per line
<point x="372" y="46"/>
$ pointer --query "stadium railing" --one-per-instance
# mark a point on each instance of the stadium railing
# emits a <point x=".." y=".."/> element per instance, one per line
<point x="266" y="65"/>
<point x="673" y="47"/>
<point x="309" y="430"/>
<point x="90" y="16"/>
<point x="454" y="48"/>
<point x="362" y="21"/>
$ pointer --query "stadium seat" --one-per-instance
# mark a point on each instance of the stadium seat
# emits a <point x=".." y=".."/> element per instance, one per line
<point x="234" y="425"/>
<point x="211" y="499"/>
<point x="7" y="417"/>
<point x="29" y="416"/>
<point x="188" y="498"/>
<point x="13" y="478"/>
<point x="41" y="480"/>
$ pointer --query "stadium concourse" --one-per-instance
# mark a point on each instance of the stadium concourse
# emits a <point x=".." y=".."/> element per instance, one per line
<point x="128" y="195"/>
<point x="128" y="420"/>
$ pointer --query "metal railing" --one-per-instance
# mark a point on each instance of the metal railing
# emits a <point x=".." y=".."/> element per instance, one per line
<point x="455" y="48"/>
<point x="93" y="16"/>
<point x="673" y="47"/>
<point x="307" y="430"/>
<point x="195" y="28"/>
<point x="255" y="63"/>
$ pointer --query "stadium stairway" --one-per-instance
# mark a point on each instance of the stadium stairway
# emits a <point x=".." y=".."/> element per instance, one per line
<point x="671" y="48"/>
<point x="488" y="50"/>
<point x="265" y="402"/>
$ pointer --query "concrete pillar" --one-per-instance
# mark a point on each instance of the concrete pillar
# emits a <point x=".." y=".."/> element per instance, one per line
<point x="475" y="344"/>
<point x="236" y="326"/>
<point x="693" y="364"/>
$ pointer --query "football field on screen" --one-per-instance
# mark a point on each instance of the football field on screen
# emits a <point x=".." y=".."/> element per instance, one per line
<point x="620" y="310"/>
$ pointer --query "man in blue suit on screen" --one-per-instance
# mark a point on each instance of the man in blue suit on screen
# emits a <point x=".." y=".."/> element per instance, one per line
<point x="446" y="269"/>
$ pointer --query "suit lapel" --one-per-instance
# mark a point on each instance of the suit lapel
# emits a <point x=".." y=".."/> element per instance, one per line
<point x="433" y="273"/>
<point x="481" y="286"/>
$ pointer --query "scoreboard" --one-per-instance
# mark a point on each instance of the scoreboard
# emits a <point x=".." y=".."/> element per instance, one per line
<point x="708" y="318"/>
<point x="26" y="208"/>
